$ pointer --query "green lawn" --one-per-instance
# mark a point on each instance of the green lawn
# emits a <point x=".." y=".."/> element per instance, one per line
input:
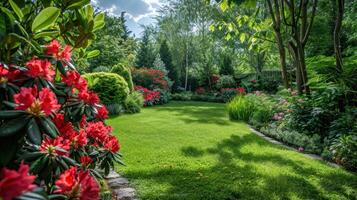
<point x="190" y="150"/>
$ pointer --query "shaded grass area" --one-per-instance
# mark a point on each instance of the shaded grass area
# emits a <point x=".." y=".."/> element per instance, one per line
<point x="190" y="150"/>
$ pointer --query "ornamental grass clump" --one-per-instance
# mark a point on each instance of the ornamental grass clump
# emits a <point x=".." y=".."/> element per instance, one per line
<point x="240" y="108"/>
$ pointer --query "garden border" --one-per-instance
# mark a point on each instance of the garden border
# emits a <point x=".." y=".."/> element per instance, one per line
<point x="120" y="187"/>
<point x="274" y="141"/>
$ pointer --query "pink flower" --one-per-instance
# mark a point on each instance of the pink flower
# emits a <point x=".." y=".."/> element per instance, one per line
<point x="74" y="79"/>
<point x="98" y="131"/>
<point x="14" y="183"/>
<point x="53" y="49"/>
<point x="90" y="97"/>
<point x="301" y="149"/>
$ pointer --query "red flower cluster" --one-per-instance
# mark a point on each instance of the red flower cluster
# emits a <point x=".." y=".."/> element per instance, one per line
<point x="41" y="103"/>
<point x="3" y="74"/>
<point x="53" y="49"/>
<point x="102" y="113"/>
<point x="14" y="183"/>
<point x="112" y="144"/>
<point x="200" y="90"/>
<point x="56" y="147"/>
<point x="89" y="97"/>
<point x="152" y="78"/>
<point x="73" y="79"/>
<point x="239" y="90"/>
<point x="86" y="160"/>
<point x="40" y="68"/>
<point x="77" y="185"/>
<point x="149" y="96"/>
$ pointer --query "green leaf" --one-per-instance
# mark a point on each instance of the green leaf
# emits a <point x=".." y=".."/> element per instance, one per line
<point x="47" y="17"/>
<point x="224" y="5"/>
<point x="78" y="4"/>
<point x="242" y="37"/>
<point x="48" y="128"/>
<point x="98" y="21"/>
<point x="13" y="126"/>
<point x="33" y="132"/>
<point x="8" y="13"/>
<point x="51" y="34"/>
<point x="93" y="53"/>
<point x="212" y="28"/>
<point x="16" y="9"/>
<point x="11" y="114"/>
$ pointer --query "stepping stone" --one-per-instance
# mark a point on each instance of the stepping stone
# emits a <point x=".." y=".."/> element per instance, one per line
<point x="125" y="193"/>
<point x="112" y="174"/>
<point x="118" y="182"/>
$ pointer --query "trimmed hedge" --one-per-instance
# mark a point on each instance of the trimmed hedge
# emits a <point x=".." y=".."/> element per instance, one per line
<point x="125" y="72"/>
<point x="111" y="88"/>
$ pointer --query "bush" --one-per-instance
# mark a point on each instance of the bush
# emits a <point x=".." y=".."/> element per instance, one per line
<point x="112" y="88"/>
<point x="125" y="72"/>
<point x="226" y="81"/>
<point x="183" y="96"/>
<point x="261" y="117"/>
<point x="134" y="102"/>
<point x="344" y="151"/>
<point x="101" y="69"/>
<point x="227" y="94"/>
<point x="114" y="109"/>
<point x="150" y="78"/>
<point x="240" y="108"/>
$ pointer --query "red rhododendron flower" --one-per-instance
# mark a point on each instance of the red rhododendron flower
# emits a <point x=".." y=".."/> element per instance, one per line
<point x="90" y="97"/>
<point x="40" y="68"/>
<point x="83" y="121"/>
<point x="67" y="181"/>
<point x="54" y="49"/>
<point x="48" y="101"/>
<point x="74" y="79"/>
<point x="112" y="144"/>
<point x="14" y="183"/>
<point x="102" y="113"/>
<point x="86" y="160"/>
<point x="66" y="53"/>
<point x="79" y="139"/>
<point x="42" y="104"/>
<point x="98" y="131"/>
<point x="65" y="128"/>
<point x="3" y="74"/>
<point x="25" y="98"/>
<point x="57" y="146"/>
<point x="77" y="185"/>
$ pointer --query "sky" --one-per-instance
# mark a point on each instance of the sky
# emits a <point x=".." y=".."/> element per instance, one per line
<point x="138" y="12"/>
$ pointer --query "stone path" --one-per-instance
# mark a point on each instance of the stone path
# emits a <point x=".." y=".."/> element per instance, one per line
<point x="121" y="187"/>
<point x="271" y="140"/>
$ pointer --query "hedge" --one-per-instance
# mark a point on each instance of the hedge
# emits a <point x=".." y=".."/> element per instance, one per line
<point x="125" y="72"/>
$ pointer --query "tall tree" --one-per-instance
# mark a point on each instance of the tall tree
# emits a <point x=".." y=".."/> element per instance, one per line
<point x="299" y="15"/>
<point x="166" y="57"/>
<point x="146" y="54"/>
<point x="125" y="31"/>
<point x="337" y="34"/>
<point x="274" y="7"/>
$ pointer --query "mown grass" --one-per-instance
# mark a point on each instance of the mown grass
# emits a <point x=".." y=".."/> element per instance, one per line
<point x="190" y="150"/>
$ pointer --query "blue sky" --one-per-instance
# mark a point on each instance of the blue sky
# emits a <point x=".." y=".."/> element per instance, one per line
<point x="137" y="11"/>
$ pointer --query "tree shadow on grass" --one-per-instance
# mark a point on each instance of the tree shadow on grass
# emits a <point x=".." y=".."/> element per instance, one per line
<point x="234" y="176"/>
<point x="205" y="114"/>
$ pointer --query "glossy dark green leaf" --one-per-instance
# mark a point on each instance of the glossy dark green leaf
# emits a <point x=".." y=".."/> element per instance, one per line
<point x="33" y="132"/>
<point x="11" y="114"/>
<point x="48" y="128"/>
<point x="78" y="4"/>
<point x="13" y="126"/>
<point x="31" y="156"/>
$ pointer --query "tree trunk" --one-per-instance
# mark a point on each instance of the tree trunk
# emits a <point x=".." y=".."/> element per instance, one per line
<point x="282" y="54"/>
<point x="337" y="35"/>
<point x="186" y="63"/>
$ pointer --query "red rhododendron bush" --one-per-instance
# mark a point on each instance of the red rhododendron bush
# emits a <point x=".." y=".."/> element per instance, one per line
<point x="54" y="142"/>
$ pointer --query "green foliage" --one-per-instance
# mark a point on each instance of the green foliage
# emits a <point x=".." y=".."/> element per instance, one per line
<point x="111" y="88"/>
<point x="344" y="151"/>
<point x="101" y="69"/>
<point x="240" y="108"/>
<point x="134" y="102"/>
<point x="114" y="109"/>
<point x="226" y="81"/>
<point x="125" y="72"/>
<point x="146" y="53"/>
<point x="226" y="67"/>
<point x="166" y="57"/>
